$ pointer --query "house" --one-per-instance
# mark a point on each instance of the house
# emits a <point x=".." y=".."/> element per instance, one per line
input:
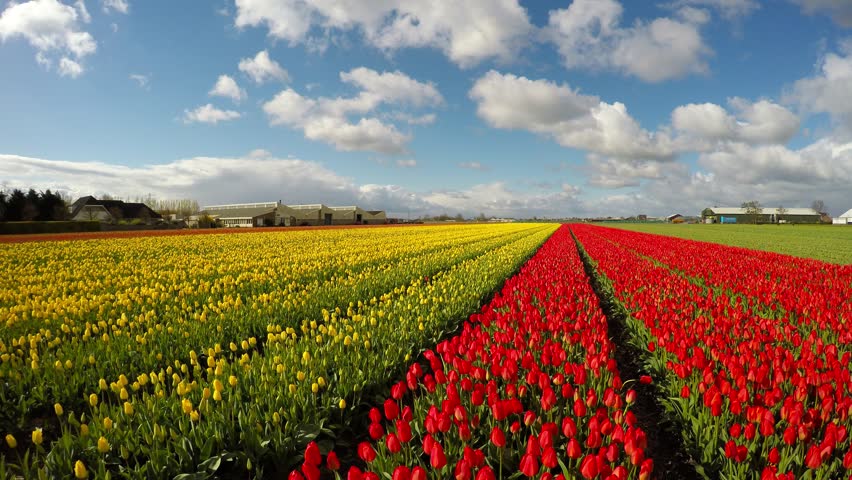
<point x="845" y="219"/>
<point x="350" y="215"/>
<point x="89" y="208"/>
<point x="374" y="217"/>
<point x="767" y="215"/>
<point x="674" y="217"/>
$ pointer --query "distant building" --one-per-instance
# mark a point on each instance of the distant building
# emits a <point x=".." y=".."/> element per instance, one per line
<point x="674" y="217"/>
<point x="350" y="215"/>
<point x="313" y="214"/>
<point x="845" y="219"/>
<point x="767" y="215"/>
<point x="374" y="217"/>
<point x="89" y="208"/>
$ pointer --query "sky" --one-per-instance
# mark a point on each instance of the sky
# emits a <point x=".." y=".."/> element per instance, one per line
<point x="501" y="107"/>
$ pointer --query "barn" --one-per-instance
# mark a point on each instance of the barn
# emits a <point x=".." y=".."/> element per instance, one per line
<point x="243" y="215"/>
<point x="767" y="215"/>
<point x="350" y="215"/>
<point x="89" y="208"/>
<point x="845" y="219"/>
<point x="313" y="214"/>
<point x="375" y="217"/>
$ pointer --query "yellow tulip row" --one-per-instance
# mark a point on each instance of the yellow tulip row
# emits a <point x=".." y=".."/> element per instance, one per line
<point x="258" y="393"/>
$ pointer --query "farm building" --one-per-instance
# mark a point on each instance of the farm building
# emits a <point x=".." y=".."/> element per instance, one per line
<point x="767" y="215"/>
<point x="350" y="215"/>
<point x="243" y="215"/>
<point x="314" y="214"/>
<point x="675" y="217"/>
<point x="845" y="219"/>
<point x="89" y="208"/>
<point x="375" y="217"/>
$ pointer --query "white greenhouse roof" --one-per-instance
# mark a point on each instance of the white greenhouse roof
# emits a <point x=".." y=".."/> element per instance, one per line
<point x="848" y="214"/>
<point x="764" y="211"/>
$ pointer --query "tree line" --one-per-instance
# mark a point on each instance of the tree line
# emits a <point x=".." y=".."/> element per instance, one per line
<point x="43" y="206"/>
<point x="17" y="206"/>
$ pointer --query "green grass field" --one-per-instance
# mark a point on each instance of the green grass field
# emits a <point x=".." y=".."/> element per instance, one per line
<point x="829" y="243"/>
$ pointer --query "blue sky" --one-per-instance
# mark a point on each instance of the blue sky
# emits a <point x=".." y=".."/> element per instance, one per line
<point x="590" y="107"/>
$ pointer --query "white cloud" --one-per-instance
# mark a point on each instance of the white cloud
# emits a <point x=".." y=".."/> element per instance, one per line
<point x="619" y="173"/>
<point x="425" y="119"/>
<point x="393" y="87"/>
<point x="761" y="122"/>
<point x="499" y="199"/>
<point x="80" y="5"/>
<point x="467" y="32"/>
<point x="120" y="6"/>
<point x="588" y="34"/>
<point x="830" y="89"/>
<point x="406" y="163"/>
<point x="227" y="87"/>
<point x="839" y="10"/>
<point x="262" y="69"/>
<point x="69" y="68"/>
<point x="326" y="119"/>
<point x="142" y="80"/>
<point x="570" y="118"/>
<point x="209" y="114"/>
<point x="728" y="8"/>
<point x="52" y="28"/>
<point x="473" y="166"/>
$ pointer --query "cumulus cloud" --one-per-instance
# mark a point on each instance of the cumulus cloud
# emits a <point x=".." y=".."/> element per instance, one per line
<point x="262" y="68"/>
<point x="839" y="10"/>
<point x="761" y="122"/>
<point x="467" y="32"/>
<point x="499" y="199"/>
<point x="120" y="6"/>
<point x="619" y="173"/>
<point x="209" y="114"/>
<point x="227" y="87"/>
<point x="589" y="34"/>
<point x="830" y="89"/>
<point x="327" y="119"/>
<point x="80" y="5"/>
<point x="570" y="118"/>
<point x="53" y="29"/>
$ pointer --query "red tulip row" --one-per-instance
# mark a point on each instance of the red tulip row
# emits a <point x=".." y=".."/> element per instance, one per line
<point x="529" y="386"/>
<point x="759" y="396"/>
<point x="809" y="294"/>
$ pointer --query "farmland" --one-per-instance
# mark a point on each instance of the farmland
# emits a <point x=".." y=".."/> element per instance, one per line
<point x="828" y="243"/>
<point x="467" y="352"/>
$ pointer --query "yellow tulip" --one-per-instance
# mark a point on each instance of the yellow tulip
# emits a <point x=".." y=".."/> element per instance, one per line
<point x="84" y="430"/>
<point x="93" y="400"/>
<point x="341" y="404"/>
<point x="186" y="405"/>
<point x="107" y="424"/>
<point x="103" y="445"/>
<point x="314" y="387"/>
<point x="128" y="408"/>
<point x="80" y="470"/>
<point x="217" y="385"/>
<point x="194" y="416"/>
<point x="217" y="396"/>
<point x="232" y="380"/>
<point x="37" y="436"/>
<point x="58" y="409"/>
<point x="10" y="440"/>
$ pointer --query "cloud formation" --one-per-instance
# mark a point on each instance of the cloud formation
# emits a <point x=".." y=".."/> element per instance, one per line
<point x="327" y="119"/>
<point x="227" y="87"/>
<point x="261" y="68"/>
<point x="209" y="114"/>
<point x="589" y="34"/>
<point x="53" y="29"/>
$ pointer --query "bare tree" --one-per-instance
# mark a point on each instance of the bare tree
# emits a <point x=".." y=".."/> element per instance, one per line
<point x="781" y="212"/>
<point x="753" y="209"/>
<point x="819" y="206"/>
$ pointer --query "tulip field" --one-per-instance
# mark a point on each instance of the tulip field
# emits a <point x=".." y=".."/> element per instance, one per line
<point x="472" y="352"/>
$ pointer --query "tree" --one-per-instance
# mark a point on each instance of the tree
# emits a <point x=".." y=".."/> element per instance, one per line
<point x="116" y="214"/>
<point x="819" y="206"/>
<point x="781" y="212"/>
<point x="753" y="210"/>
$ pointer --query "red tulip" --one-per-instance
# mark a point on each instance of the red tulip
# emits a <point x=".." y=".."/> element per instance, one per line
<point x="376" y="431"/>
<point x="529" y="465"/>
<point x="548" y="458"/>
<point x="311" y="471"/>
<point x="401" y="473"/>
<point x="403" y="431"/>
<point x="312" y="454"/>
<point x="497" y="437"/>
<point x="485" y="473"/>
<point x="437" y="459"/>
<point x="418" y="473"/>
<point x="332" y="462"/>
<point x="645" y="379"/>
<point x="573" y="450"/>
<point x="366" y="452"/>
<point x="392" y="443"/>
<point x="353" y="474"/>
<point x="391" y="409"/>
<point x="295" y="475"/>
<point x="589" y="467"/>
